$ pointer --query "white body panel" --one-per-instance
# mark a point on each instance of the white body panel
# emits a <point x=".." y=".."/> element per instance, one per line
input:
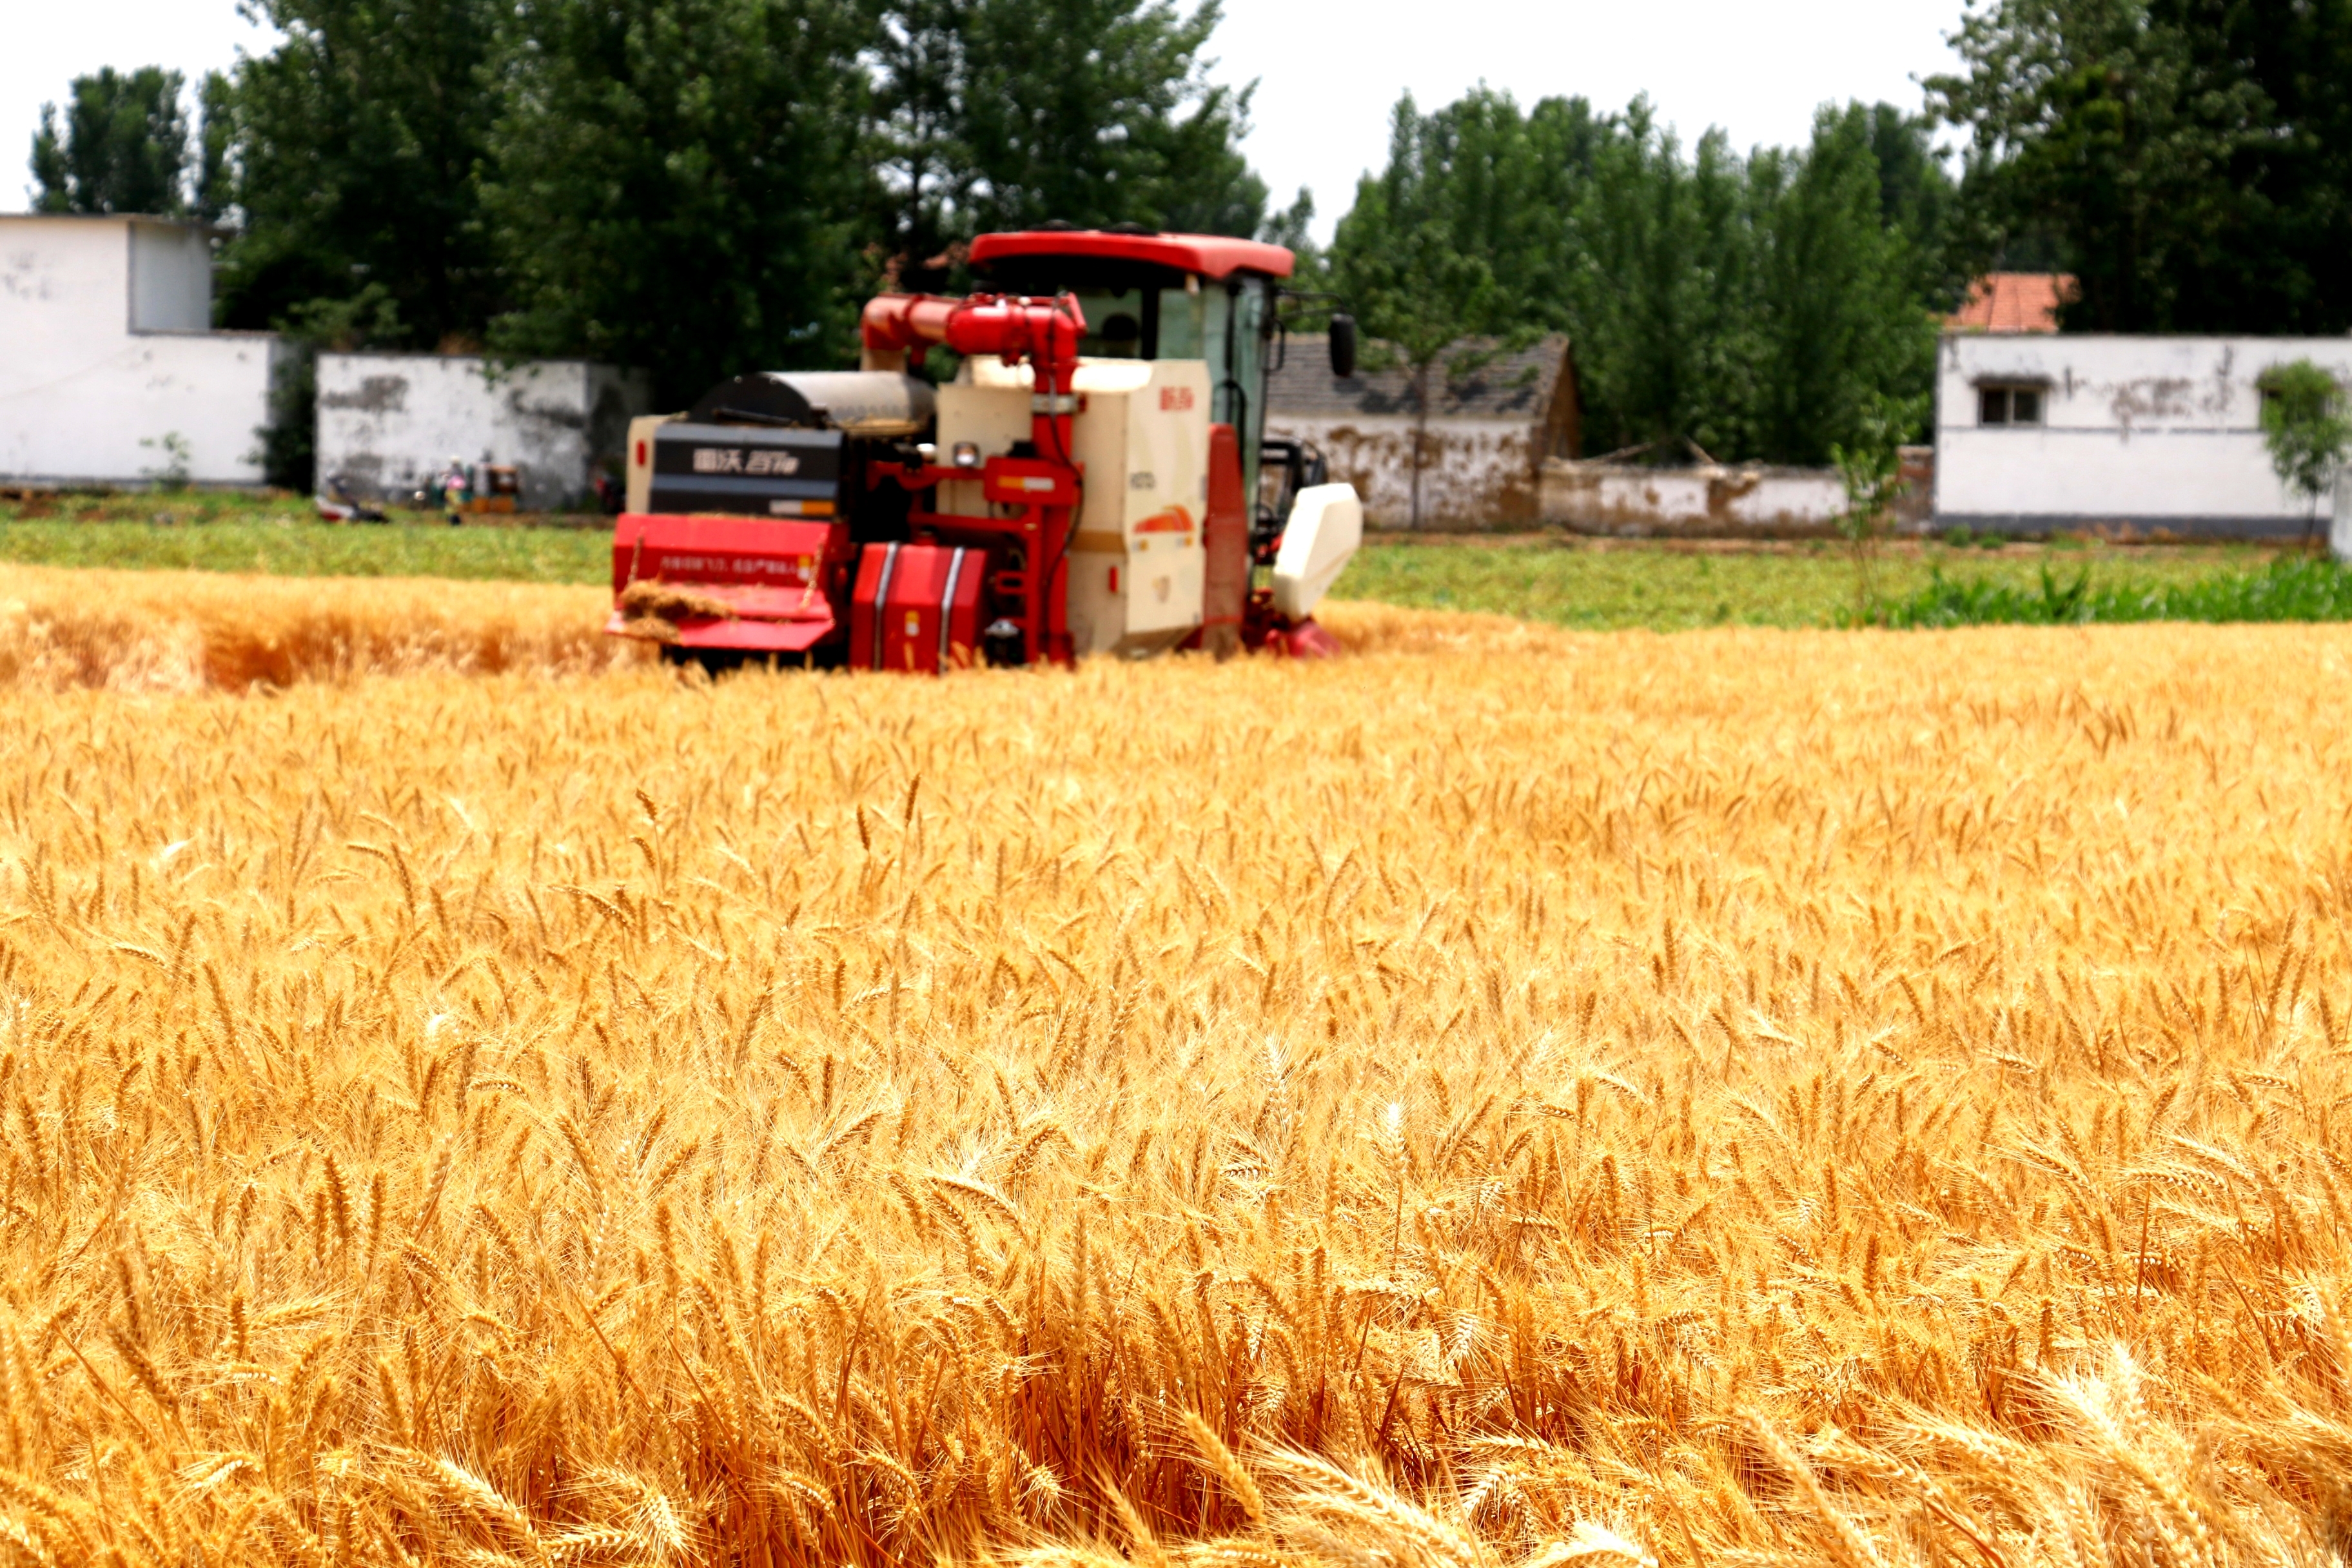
<point x="643" y="432"/>
<point x="1137" y="565"/>
<point x="993" y="417"/>
<point x="1327" y="524"/>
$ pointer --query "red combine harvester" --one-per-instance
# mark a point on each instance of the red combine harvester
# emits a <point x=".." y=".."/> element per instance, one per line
<point x="1096" y="480"/>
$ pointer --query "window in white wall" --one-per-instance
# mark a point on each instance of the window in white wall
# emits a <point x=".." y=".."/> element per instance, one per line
<point x="2008" y="404"/>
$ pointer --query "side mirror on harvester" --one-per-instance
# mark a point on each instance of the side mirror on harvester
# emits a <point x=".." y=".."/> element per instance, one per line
<point x="1343" y="345"/>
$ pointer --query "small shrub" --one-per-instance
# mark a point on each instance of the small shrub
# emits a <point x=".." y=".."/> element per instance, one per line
<point x="172" y="474"/>
<point x="2305" y="427"/>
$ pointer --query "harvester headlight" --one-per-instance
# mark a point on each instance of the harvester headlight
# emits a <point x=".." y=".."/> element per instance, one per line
<point x="967" y="454"/>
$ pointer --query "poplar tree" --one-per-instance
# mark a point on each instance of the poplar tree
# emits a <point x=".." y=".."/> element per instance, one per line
<point x="1772" y="307"/>
<point x="121" y="148"/>
<point x="677" y="184"/>
<point x="2189" y="163"/>
<point x="1008" y="113"/>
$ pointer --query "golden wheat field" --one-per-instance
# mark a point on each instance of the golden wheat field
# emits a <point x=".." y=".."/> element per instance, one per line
<point x="1499" y="1097"/>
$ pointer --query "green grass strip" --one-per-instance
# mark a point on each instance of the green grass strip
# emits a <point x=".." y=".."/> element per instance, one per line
<point x="2291" y="588"/>
<point x="304" y="549"/>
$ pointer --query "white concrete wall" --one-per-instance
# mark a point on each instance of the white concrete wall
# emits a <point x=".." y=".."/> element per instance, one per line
<point x="1476" y="473"/>
<point x="2141" y="434"/>
<point x="1709" y="498"/>
<point x="389" y="422"/>
<point x="80" y="389"/>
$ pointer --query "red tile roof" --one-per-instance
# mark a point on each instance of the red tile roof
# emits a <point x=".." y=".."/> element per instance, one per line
<point x="2014" y="302"/>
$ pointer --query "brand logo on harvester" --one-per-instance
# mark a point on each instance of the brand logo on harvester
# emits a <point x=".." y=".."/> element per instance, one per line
<point x="733" y="460"/>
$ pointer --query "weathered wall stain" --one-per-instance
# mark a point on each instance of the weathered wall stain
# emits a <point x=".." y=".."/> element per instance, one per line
<point x="1707" y="499"/>
<point x="388" y="422"/>
<point x="2149" y="398"/>
<point x="2132" y="436"/>
<point x="374" y="394"/>
<point x="1475" y="474"/>
<point x="560" y="416"/>
<point x="1493" y="414"/>
<point x="22" y="277"/>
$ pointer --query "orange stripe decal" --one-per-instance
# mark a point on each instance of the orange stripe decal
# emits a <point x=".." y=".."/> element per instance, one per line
<point x="1175" y="519"/>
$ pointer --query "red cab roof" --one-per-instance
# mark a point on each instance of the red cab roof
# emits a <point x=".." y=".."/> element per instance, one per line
<point x="1212" y="255"/>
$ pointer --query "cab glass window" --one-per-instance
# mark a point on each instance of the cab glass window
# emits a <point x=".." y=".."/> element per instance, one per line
<point x="1114" y="323"/>
<point x="1240" y="394"/>
<point x="1226" y="328"/>
<point x="1191" y="325"/>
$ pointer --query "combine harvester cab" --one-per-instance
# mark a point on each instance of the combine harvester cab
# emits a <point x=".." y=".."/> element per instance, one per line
<point x="1096" y="477"/>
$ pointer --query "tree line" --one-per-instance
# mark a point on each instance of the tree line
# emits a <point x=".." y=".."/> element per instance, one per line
<point x="700" y="186"/>
<point x="2188" y="160"/>
<point x="692" y="186"/>
<point x="1775" y="305"/>
<point x="2188" y="163"/>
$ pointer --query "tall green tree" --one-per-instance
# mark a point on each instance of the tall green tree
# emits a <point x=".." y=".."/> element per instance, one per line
<point x="1100" y="112"/>
<point x="2192" y="159"/>
<point x="122" y="147"/>
<point x="677" y="184"/>
<point x="1917" y="199"/>
<point x="1007" y="113"/>
<point x="1499" y="184"/>
<point x="1768" y="307"/>
<point x="352" y="156"/>
<point x="1842" y="332"/>
<point x="213" y="166"/>
<point x="2296" y="175"/>
<point x="1656" y="292"/>
<point x="921" y="75"/>
<point x="1292" y="225"/>
<point x="1399" y="256"/>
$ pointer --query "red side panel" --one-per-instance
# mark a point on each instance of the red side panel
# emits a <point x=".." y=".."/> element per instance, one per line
<point x="876" y="564"/>
<point x="917" y="607"/>
<point x="655" y="547"/>
<point x="911" y="616"/>
<point x="1224" y="540"/>
<point x="774" y="578"/>
<point x="740" y="636"/>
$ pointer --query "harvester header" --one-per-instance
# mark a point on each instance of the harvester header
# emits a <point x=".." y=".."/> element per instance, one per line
<point x="1096" y="478"/>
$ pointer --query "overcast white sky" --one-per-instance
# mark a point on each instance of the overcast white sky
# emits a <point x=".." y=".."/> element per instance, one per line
<point x="1327" y="74"/>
